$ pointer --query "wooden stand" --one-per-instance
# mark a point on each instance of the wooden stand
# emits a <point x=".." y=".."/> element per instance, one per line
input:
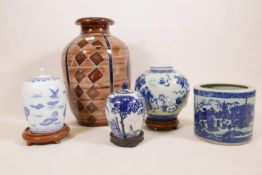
<point x="127" y="142"/>
<point x="44" y="138"/>
<point x="102" y="122"/>
<point x="164" y="125"/>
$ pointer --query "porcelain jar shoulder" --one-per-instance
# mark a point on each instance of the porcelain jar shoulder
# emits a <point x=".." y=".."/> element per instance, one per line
<point x="44" y="102"/>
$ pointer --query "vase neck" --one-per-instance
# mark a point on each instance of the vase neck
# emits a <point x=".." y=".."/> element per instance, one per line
<point x="161" y="68"/>
<point x="94" y="25"/>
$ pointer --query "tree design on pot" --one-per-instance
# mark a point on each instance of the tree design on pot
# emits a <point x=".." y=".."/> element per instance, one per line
<point x="124" y="106"/>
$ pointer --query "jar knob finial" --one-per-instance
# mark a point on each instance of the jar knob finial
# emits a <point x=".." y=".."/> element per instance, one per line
<point x="124" y="85"/>
<point x="42" y="70"/>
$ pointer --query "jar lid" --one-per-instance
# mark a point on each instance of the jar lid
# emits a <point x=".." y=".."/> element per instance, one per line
<point x="125" y="89"/>
<point x="42" y="77"/>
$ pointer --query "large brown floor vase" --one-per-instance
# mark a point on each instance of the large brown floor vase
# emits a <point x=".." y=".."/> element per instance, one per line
<point x="95" y="64"/>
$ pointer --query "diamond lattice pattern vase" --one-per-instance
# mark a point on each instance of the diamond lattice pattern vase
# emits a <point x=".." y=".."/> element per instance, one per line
<point x="94" y="64"/>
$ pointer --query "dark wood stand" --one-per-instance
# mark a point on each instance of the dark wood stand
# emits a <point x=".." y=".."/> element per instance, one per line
<point x="102" y="122"/>
<point x="163" y="125"/>
<point x="44" y="138"/>
<point x="127" y="142"/>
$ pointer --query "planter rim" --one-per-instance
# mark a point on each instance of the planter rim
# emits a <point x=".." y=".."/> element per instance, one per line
<point x="240" y="88"/>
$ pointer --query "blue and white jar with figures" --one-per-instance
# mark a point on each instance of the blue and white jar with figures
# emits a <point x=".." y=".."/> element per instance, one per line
<point x="125" y="112"/>
<point x="224" y="113"/>
<point x="165" y="92"/>
<point x="44" y="100"/>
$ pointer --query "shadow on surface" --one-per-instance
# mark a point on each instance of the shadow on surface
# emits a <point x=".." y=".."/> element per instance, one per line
<point x="92" y="135"/>
<point x="185" y="130"/>
<point x="13" y="130"/>
<point x="76" y="129"/>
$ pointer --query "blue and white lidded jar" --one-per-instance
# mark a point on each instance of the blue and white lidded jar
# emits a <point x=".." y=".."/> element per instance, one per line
<point x="125" y="112"/>
<point x="44" y="100"/>
<point x="165" y="92"/>
<point x="224" y="113"/>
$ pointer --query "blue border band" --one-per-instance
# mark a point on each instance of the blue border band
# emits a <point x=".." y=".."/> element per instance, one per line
<point x="163" y="118"/>
<point x="224" y="94"/>
<point x="128" y="71"/>
<point x="109" y="52"/>
<point x="66" y="64"/>
<point x="162" y="71"/>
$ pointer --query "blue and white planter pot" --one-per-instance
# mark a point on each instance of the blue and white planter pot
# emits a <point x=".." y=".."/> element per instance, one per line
<point x="165" y="92"/>
<point x="224" y="113"/>
<point x="44" y="99"/>
<point x="125" y="112"/>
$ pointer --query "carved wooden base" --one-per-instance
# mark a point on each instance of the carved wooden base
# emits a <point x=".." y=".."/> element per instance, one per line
<point x="163" y="125"/>
<point x="127" y="142"/>
<point x="102" y="122"/>
<point x="44" y="138"/>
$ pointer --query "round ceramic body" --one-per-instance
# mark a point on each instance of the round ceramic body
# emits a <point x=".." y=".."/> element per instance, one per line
<point x="94" y="64"/>
<point x="125" y="112"/>
<point x="224" y="113"/>
<point x="165" y="92"/>
<point x="44" y="101"/>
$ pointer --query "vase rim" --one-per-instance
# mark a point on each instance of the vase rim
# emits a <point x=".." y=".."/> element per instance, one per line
<point x="161" y="68"/>
<point x="225" y="87"/>
<point x="94" y="20"/>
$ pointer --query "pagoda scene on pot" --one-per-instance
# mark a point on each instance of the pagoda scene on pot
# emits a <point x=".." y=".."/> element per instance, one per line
<point x="224" y="116"/>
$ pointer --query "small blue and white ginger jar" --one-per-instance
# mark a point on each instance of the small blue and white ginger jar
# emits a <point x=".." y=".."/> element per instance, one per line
<point x="125" y="112"/>
<point x="165" y="92"/>
<point x="224" y="113"/>
<point x="44" y="100"/>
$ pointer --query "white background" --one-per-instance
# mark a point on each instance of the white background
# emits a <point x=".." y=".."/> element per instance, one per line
<point x="207" y="40"/>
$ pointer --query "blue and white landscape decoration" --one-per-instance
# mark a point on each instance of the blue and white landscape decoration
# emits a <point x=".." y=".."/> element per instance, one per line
<point x="125" y="112"/>
<point x="44" y="101"/>
<point x="224" y="113"/>
<point x="165" y="92"/>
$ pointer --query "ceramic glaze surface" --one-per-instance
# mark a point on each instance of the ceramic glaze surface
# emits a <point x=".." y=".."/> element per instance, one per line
<point x="44" y="101"/>
<point x="224" y="114"/>
<point x="165" y="92"/>
<point x="95" y="64"/>
<point x="125" y="113"/>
